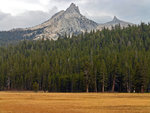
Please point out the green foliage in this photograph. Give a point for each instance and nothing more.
(35, 86)
(108, 60)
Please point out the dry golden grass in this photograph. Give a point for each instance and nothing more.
(28, 102)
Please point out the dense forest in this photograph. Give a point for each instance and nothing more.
(116, 60)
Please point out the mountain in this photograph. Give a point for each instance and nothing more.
(67, 22)
(113, 23)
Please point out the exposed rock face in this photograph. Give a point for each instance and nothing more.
(65, 22)
(113, 23)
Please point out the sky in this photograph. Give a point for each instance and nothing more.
(28, 13)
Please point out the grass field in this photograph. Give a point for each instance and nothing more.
(28, 102)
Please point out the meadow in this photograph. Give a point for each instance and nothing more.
(30, 102)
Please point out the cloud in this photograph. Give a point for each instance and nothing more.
(26, 19)
(129, 10)
(3, 15)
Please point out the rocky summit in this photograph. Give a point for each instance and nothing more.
(66, 22)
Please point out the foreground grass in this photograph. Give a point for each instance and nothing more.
(28, 102)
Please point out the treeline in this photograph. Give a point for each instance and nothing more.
(116, 60)
(16, 35)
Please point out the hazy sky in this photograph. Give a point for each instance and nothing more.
(27, 13)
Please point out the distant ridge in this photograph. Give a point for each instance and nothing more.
(67, 22)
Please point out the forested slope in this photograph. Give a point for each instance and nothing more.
(108, 60)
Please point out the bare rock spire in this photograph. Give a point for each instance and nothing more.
(115, 19)
(73, 9)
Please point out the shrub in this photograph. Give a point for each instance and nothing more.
(35, 86)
